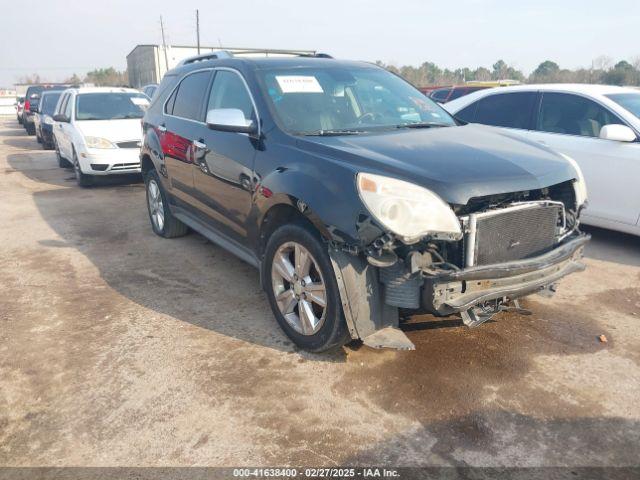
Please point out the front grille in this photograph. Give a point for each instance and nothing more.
(131, 144)
(125, 166)
(515, 233)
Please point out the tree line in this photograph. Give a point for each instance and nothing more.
(603, 70)
(101, 77)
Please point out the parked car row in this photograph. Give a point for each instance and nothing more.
(356, 197)
(43, 118)
(31, 103)
(96, 130)
(19, 108)
(598, 126)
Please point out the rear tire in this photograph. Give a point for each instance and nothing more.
(162, 220)
(38, 137)
(309, 324)
(82, 179)
(31, 130)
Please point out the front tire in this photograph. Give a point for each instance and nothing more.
(302, 289)
(62, 162)
(162, 220)
(82, 179)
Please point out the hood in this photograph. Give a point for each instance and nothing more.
(112, 130)
(457, 163)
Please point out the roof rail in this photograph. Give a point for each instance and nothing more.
(238, 52)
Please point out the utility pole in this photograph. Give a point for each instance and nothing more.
(198, 29)
(164, 45)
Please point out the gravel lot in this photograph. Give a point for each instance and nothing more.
(119, 348)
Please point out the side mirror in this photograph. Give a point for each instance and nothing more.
(230, 120)
(617, 133)
(60, 117)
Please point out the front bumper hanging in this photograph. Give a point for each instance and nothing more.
(458, 290)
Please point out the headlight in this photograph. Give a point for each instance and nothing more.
(48, 120)
(579, 185)
(97, 142)
(409, 211)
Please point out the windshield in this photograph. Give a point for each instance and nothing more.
(49, 102)
(628, 101)
(110, 105)
(347, 99)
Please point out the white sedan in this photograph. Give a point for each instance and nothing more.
(596, 125)
(97, 131)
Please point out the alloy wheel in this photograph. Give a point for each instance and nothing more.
(156, 208)
(299, 288)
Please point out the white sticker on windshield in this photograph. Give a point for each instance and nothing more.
(141, 102)
(299, 84)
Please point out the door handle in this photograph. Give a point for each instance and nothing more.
(162, 128)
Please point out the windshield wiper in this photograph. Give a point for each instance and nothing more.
(422, 125)
(333, 133)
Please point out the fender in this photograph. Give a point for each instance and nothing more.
(152, 148)
(325, 193)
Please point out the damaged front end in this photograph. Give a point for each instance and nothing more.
(509, 246)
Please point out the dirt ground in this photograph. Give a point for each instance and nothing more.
(119, 348)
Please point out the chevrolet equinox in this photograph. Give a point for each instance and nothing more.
(358, 199)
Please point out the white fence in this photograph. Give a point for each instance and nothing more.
(7, 105)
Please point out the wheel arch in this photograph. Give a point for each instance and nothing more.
(287, 209)
(146, 164)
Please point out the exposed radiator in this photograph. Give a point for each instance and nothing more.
(512, 233)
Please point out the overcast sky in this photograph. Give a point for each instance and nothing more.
(56, 38)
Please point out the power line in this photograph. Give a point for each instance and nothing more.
(198, 29)
(164, 44)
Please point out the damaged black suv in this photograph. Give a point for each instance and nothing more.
(356, 196)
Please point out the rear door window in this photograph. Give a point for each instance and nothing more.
(190, 96)
(573, 115)
(510, 110)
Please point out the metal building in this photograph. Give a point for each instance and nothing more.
(147, 63)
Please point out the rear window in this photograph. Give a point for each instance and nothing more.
(511, 110)
(461, 92)
(441, 94)
(110, 105)
(33, 92)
